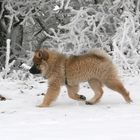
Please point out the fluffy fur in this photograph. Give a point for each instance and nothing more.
(95, 67)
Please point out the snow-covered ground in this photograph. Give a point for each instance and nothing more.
(66, 119)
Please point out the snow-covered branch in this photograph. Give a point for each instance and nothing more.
(8, 41)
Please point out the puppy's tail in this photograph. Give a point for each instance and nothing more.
(100, 53)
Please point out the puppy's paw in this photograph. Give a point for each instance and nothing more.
(129, 100)
(82, 97)
(88, 103)
(43, 105)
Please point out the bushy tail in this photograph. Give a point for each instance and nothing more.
(100, 53)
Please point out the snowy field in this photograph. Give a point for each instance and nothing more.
(66, 119)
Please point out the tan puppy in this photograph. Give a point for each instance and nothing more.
(95, 67)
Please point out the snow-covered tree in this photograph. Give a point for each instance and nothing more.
(74, 27)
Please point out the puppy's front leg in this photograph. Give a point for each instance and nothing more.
(51, 95)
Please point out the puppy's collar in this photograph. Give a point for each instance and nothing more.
(66, 81)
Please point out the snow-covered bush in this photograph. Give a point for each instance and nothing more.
(109, 25)
(74, 27)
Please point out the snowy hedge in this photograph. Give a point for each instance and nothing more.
(74, 27)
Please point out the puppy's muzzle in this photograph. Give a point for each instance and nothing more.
(34, 70)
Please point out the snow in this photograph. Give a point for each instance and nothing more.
(66, 119)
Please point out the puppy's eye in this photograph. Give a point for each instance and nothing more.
(37, 65)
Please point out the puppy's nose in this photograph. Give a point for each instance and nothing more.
(34, 70)
(30, 70)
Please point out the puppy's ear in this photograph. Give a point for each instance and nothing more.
(42, 54)
(38, 54)
(45, 54)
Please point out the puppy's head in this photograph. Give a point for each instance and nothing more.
(40, 58)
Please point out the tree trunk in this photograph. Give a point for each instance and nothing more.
(17, 39)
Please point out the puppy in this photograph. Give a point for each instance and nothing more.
(95, 67)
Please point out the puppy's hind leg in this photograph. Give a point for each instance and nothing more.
(72, 92)
(96, 85)
(116, 85)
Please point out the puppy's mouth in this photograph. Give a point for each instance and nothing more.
(34, 70)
